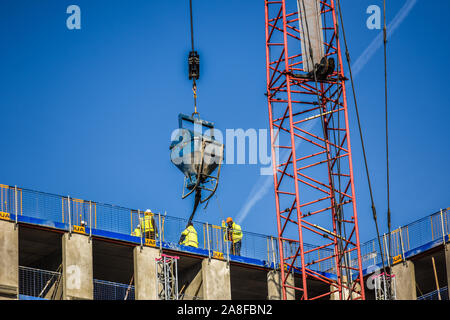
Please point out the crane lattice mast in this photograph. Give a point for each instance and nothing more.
(313, 177)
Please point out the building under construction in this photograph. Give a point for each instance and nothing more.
(56, 247)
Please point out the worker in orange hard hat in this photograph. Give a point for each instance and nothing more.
(233, 233)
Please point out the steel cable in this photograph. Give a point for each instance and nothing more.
(374, 213)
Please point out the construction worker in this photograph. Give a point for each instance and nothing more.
(189, 236)
(233, 233)
(137, 231)
(147, 225)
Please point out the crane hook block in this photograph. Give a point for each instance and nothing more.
(194, 65)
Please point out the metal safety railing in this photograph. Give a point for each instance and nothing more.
(76, 215)
(442, 293)
(39, 283)
(10, 201)
(107, 290)
(433, 228)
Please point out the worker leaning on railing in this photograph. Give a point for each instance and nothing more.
(233, 232)
(148, 225)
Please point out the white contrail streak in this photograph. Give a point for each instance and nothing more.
(265, 183)
(376, 44)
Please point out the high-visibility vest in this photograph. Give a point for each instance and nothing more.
(236, 232)
(147, 224)
(190, 237)
(137, 232)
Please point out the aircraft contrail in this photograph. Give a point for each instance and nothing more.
(376, 44)
(264, 183)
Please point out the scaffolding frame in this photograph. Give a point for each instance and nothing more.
(385, 287)
(167, 277)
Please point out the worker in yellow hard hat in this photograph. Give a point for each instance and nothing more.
(147, 225)
(189, 236)
(233, 233)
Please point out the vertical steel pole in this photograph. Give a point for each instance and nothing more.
(176, 279)
(401, 242)
(443, 229)
(70, 218)
(166, 279)
(228, 253)
(159, 232)
(140, 227)
(386, 252)
(273, 153)
(157, 279)
(273, 254)
(16, 206)
(90, 220)
(207, 240)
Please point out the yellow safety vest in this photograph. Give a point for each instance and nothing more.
(137, 232)
(236, 232)
(146, 224)
(190, 238)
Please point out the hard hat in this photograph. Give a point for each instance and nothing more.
(148, 211)
(229, 219)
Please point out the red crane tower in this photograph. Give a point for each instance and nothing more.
(309, 126)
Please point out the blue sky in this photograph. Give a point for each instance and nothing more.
(89, 112)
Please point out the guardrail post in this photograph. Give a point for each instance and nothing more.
(375, 255)
(140, 228)
(90, 221)
(16, 206)
(443, 229)
(159, 233)
(273, 251)
(386, 252)
(70, 218)
(401, 243)
(228, 253)
(207, 239)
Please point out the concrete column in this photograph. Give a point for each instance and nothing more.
(77, 267)
(216, 280)
(194, 289)
(405, 280)
(345, 291)
(145, 273)
(447, 263)
(274, 286)
(9, 261)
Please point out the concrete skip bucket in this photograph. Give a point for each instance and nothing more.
(198, 155)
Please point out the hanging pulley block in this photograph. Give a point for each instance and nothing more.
(194, 65)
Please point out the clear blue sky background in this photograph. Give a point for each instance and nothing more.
(89, 113)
